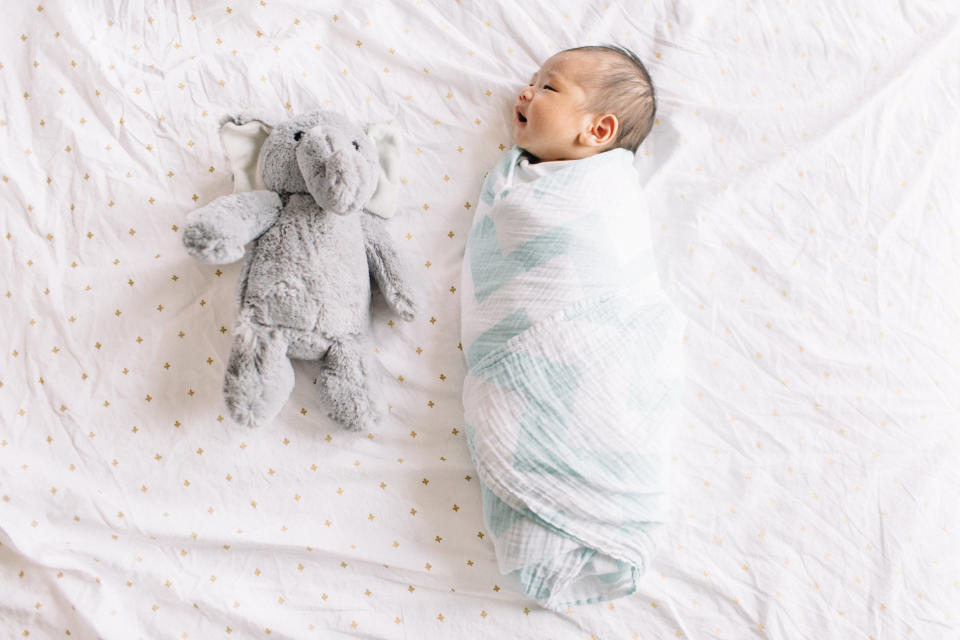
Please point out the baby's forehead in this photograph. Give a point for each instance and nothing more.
(573, 66)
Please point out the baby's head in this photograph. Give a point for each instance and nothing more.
(584, 101)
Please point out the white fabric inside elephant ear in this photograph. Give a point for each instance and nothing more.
(242, 144)
(389, 141)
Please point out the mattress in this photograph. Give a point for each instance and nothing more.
(802, 178)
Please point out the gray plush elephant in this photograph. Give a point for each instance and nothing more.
(321, 186)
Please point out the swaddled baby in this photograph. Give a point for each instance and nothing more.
(573, 352)
(584, 113)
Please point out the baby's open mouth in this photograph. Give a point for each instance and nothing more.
(522, 119)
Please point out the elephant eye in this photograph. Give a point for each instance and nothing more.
(297, 136)
(356, 145)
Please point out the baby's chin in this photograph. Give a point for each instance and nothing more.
(518, 138)
(548, 153)
(529, 148)
(537, 155)
(533, 157)
(538, 152)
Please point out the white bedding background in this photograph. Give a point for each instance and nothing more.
(803, 180)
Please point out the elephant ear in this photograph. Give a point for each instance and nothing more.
(389, 141)
(242, 138)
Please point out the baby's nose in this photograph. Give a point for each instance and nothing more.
(525, 94)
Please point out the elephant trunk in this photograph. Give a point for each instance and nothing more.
(337, 176)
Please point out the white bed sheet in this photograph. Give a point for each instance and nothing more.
(803, 179)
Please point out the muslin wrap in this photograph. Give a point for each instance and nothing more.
(574, 372)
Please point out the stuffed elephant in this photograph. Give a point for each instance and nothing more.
(310, 195)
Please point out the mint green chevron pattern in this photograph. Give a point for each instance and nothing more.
(491, 269)
(496, 336)
(572, 379)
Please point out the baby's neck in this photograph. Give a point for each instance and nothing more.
(535, 160)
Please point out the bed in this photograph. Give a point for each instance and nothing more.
(802, 178)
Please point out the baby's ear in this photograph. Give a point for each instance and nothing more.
(242, 138)
(602, 131)
(389, 140)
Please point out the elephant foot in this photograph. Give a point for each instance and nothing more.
(259, 377)
(344, 380)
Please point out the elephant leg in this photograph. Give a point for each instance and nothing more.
(344, 380)
(259, 377)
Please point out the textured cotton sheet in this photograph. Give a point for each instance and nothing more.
(802, 180)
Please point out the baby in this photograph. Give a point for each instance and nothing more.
(572, 349)
(584, 101)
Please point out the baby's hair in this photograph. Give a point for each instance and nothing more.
(625, 90)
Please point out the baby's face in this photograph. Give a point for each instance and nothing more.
(549, 114)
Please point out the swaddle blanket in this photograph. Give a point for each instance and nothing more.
(574, 362)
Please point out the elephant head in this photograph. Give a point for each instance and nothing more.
(344, 167)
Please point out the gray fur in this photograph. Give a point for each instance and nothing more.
(305, 288)
(217, 233)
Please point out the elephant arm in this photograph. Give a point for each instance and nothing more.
(386, 267)
(216, 233)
